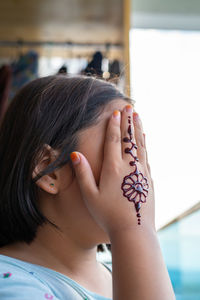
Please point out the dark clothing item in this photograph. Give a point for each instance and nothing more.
(62, 70)
(114, 68)
(94, 67)
(23, 71)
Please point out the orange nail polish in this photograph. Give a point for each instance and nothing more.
(75, 157)
(135, 116)
(116, 114)
(129, 108)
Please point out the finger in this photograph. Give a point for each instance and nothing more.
(128, 138)
(84, 175)
(147, 162)
(112, 145)
(141, 152)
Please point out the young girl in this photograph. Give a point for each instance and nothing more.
(68, 159)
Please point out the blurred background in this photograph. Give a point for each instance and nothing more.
(151, 50)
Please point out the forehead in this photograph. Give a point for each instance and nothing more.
(117, 104)
(96, 133)
(99, 129)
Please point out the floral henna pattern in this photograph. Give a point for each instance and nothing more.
(134, 186)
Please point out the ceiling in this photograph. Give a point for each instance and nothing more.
(92, 21)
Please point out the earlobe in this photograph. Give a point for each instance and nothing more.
(45, 183)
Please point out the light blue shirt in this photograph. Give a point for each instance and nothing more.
(21, 280)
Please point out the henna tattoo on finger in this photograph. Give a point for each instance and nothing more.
(135, 185)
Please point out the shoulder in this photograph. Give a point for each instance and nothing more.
(17, 283)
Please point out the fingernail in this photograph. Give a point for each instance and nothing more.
(75, 158)
(129, 108)
(116, 114)
(135, 116)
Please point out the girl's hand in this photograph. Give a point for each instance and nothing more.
(106, 203)
(139, 271)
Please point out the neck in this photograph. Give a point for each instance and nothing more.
(53, 249)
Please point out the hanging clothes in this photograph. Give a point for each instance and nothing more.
(63, 70)
(5, 82)
(95, 66)
(114, 68)
(23, 71)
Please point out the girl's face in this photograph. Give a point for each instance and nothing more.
(68, 210)
(91, 140)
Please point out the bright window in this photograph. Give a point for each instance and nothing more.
(165, 82)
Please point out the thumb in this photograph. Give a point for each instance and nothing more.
(84, 175)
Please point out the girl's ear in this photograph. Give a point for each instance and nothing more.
(48, 183)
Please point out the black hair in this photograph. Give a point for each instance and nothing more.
(47, 111)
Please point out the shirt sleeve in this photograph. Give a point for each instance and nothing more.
(23, 286)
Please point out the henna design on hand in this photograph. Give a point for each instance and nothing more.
(134, 186)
